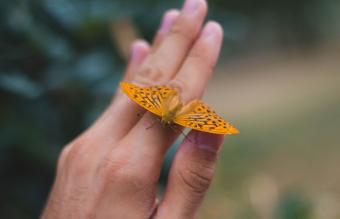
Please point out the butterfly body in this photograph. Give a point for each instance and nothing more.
(168, 118)
(165, 102)
(171, 106)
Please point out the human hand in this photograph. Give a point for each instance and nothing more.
(112, 169)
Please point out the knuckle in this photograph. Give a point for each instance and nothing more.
(184, 29)
(196, 180)
(110, 165)
(180, 85)
(205, 159)
(80, 168)
(123, 175)
(135, 180)
(78, 156)
(76, 148)
(150, 73)
(197, 172)
(90, 214)
(201, 60)
(117, 168)
(63, 157)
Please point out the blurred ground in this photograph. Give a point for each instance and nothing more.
(287, 107)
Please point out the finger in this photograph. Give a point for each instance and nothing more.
(102, 131)
(139, 51)
(190, 175)
(190, 81)
(168, 19)
(192, 78)
(165, 60)
(106, 127)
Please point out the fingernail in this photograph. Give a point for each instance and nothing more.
(136, 49)
(208, 141)
(168, 20)
(211, 31)
(190, 5)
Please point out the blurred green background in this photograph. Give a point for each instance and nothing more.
(278, 81)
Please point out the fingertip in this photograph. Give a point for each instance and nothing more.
(139, 49)
(140, 45)
(193, 6)
(212, 30)
(210, 42)
(168, 19)
(205, 141)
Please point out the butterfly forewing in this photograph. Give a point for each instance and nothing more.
(150, 98)
(194, 115)
(203, 118)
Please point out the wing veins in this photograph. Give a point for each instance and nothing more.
(157, 101)
(152, 101)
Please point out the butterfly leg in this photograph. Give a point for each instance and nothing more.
(152, 124)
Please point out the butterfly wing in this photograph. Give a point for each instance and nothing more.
(201, 117)
(150, 98)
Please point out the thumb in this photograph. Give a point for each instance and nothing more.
(190, 175)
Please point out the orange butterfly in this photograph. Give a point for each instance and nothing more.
(165, 102)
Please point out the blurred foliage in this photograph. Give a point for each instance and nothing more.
(59, 69)
(294, 206)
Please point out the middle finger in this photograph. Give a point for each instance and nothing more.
(163, 63)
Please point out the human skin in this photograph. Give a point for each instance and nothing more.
(112, 169)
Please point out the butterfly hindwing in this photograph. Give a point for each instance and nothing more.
(150, 98)
(203, 118)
